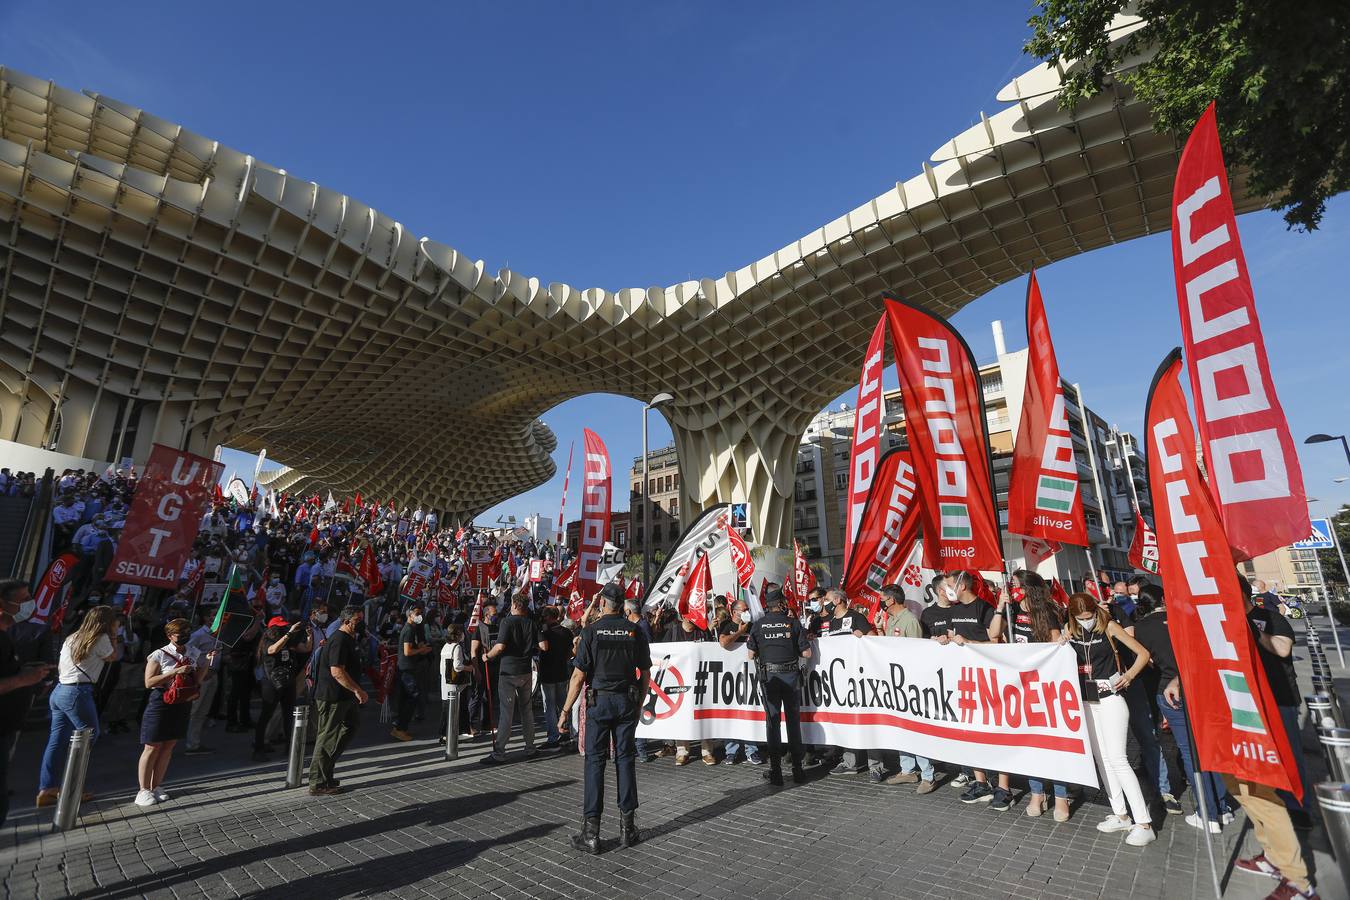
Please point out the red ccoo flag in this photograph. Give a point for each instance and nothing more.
(1058, 594)
(1144, 547)
(867, 422)
(1234, 719)
(1043, 497)
(1250, 457)
(697, 591)
(370, 572)
(948, 438)
(595, 496)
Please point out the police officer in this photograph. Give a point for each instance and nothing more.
(612, 664)
(778, 643)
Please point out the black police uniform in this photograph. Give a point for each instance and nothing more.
(778, 641)
(611, 653)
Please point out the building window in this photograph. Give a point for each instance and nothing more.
(674, 507)
(670, 484)
(840, 481)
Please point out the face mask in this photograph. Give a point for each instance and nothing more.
(949, 592)
(744, 617)
(416, 620)
(321, 618)
(814, 606)
(1087, 624)
(25, 611)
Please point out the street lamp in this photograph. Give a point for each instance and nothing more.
(1324, 438)
(658, 400)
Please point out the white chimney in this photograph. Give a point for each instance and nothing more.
(999, 347)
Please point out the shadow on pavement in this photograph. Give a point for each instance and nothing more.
(438, 814)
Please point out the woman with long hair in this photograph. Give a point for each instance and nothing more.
(1094, 637)
(283, 647)
(83, 656)
(1036, 620)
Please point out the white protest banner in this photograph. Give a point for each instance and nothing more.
(611, 564)
(238, 490)
(1012, 708)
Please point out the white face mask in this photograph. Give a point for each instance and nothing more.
(416, 620)
(744, 617)
(949, 592)
(25, 611)
(1087, 624)
(321, 618)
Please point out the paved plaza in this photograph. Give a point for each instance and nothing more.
(414, 825)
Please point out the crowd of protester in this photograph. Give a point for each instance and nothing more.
(320, 635)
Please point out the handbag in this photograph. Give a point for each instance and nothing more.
(453, 677)
(184, 688)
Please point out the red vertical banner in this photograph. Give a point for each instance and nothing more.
(1250, 456)
(1043, 496)
(740, 554)
(49, 588)
(562, 508)
(1234, 719)
(693, 603)
(886, 533)
(595, 496)
(948, 437)
(867, 419)
(171, 497)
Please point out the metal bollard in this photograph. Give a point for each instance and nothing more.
(72, 781)
(452, 727)
(1322, 711)
(1336, 747)
(1334, 800)
(295, 764)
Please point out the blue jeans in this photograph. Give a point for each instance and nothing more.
(907, 764)
(733, 747)
(1289, 715)
(1215, 791)
(555, 694)
(72, 708)
(1038, 787)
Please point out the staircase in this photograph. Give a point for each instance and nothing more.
(13, 519)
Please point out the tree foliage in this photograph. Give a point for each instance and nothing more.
(1278, 72)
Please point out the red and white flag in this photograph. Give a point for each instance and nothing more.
(370, 572)
(476, 617)
(867, 418)
(1038, 551)
(49, 588)
(1250, 456)
(740, 555)
(801, 582)
(595, 496)
(948, 438)
(1058, 594)
(696, 594)
(886, 533)
(634, 590)
(1043, 497)
(1144, 547)
(562, 508)
(1234, 719)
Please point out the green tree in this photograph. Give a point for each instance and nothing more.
(1278, 73)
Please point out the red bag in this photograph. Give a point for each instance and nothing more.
(184, 688)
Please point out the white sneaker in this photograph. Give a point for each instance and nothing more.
(1140, 836)
(1227, 818)
(146, 798)
(1114, 823)
(1193, 820)
(160, 794)
(961, 780)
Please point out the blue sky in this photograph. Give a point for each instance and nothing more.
(621, 145)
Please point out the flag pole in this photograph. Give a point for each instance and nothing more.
(1200, 799)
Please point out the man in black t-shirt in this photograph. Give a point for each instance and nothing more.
(337, 701)
(414, 670)
(555, 668)
(1275, 644)
(842, 622)
(517, 641)
(731, 634)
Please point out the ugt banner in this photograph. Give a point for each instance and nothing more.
(1016, 707)
(170, 498)
(1234, 719)
(50, 587)
(1250, 456)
